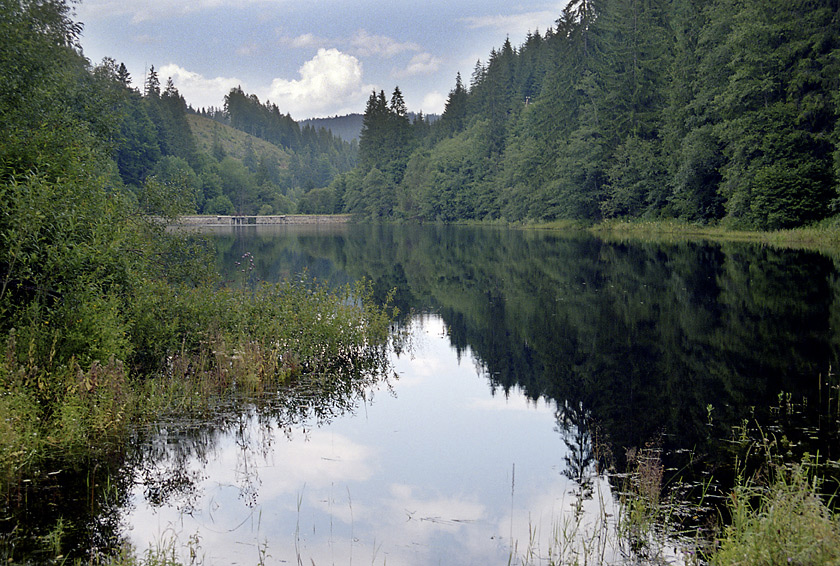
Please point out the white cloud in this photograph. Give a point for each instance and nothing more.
(516, 24)
(302, 41)
(198, 90)
(366, 44)
(146, 10)
(330, 83)
(420, 64)
(324, 459)
(248, 49)
(433, 103)
(306, 40)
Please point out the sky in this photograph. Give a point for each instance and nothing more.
(312, 58)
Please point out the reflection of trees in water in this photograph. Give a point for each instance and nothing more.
(163, 455)
(77, 504)
(575, 429)
(81, 503)
(641, 338)
(645, 336)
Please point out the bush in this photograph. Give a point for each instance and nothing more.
(786, 522)
(219, 205)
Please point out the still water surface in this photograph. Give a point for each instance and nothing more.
(430, 468)
(535, 362)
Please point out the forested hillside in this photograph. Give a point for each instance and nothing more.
(247, 158)
(707, 111)
(347, 127)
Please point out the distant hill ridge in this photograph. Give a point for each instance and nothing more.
(349, 127)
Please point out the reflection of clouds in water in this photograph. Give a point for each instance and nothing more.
(422, 478)
(404, 526)
(433, 513)
(547, 521)
(511, 403)
(430, 355)
(248, 498)
(323, 459)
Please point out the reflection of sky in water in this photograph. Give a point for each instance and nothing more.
(420, 476)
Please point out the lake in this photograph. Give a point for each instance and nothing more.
(533, 374)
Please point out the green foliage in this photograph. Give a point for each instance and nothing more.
(219, 205)
(167, 199)
(264, 121)
(175, 171)
(318, 201)
(372, 197)
(238, 184)
(451, 187)
(785, 522)
(387, 137)
(710, 112)
(65, 248)
(455, 111)
(318, 156)
(696, 177)
(636, 180)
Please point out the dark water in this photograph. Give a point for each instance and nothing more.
(536, 362)
(644, 339)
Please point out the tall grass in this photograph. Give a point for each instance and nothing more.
(194, 347)
(777, 516)
(822, 237)
(778, 520)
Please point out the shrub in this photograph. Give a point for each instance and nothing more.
(786, 522)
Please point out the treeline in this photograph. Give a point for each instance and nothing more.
(346, 127)
(721, 111)
(155, 139)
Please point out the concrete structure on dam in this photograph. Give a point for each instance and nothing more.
(260, 220)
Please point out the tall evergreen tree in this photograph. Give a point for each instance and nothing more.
(400, 139)
(454, 115)
(774, 111)
(123, 75)
(152, 86)
(702, 110)
(373, 138)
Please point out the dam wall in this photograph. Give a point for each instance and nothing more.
(279, 219)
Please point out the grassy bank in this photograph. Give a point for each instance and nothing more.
(192, 345)
(823, 236)
(66, 428)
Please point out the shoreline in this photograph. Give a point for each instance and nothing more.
(822, 237)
